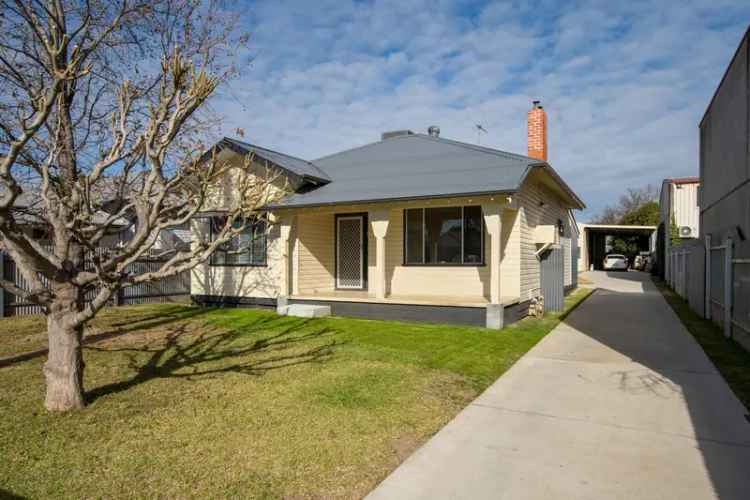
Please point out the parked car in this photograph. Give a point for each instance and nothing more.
(615, 262)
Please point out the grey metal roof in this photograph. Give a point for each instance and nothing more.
(415, 166)
(298, 166)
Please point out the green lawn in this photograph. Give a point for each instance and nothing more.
(730, 358)
(207, 403)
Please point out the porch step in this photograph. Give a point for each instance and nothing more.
(304, 310)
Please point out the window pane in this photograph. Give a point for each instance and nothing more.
(443, 235)
(219, 256)
(414, 236)
(242, 245)
(259, 243)
(473, 235)
(247, 248)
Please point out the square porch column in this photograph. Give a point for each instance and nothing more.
(285, 231)
(493, 221)
(379, 222)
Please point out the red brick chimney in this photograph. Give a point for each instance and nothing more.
(537, 132)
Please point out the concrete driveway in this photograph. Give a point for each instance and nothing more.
(617, 402)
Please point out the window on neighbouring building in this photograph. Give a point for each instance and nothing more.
(444, 236)
(248, 248)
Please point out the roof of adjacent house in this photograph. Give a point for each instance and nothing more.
(414, 166)
(28, 208)
(683, 180)
(297, 166)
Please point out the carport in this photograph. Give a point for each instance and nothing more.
(593, 240)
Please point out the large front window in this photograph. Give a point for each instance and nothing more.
(248, 248)
(444, 236)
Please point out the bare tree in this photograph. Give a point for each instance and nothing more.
(635, 198)
(101, 103)
(629, 202)
(608, 215)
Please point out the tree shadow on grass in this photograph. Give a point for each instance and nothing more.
(7, 495)
(113, 330)
(160, 318)
(268, 343)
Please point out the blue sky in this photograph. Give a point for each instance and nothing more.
(624, 83)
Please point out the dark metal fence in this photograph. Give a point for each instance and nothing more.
(552, 278)
(165, 290)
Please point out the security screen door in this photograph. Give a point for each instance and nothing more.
(350, 252)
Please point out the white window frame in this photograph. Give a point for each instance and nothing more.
(424, 233)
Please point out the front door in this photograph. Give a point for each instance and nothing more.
(350, 251)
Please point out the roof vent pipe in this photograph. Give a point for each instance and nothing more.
(434, 131)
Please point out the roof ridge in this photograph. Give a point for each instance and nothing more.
(481, 149)
(353, 149)
(323, 175)
(250, 144)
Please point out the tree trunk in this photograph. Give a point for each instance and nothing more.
(64, 367)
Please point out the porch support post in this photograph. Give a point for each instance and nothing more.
(379, 222)
(285, 231)
(493, 221)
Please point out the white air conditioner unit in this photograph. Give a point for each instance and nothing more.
(546, 235)
(686, 231)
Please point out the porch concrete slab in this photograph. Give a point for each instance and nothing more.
(308, 310)
(617, 402)
(425, 300)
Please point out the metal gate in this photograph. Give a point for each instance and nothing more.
(552, 278)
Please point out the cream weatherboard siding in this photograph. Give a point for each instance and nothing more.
(315, 253)
(316, 256)
(510, 278)
(452, 281)
(312, 252)
(538, 205)
(239, 281)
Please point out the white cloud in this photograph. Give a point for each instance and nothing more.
(624, 83)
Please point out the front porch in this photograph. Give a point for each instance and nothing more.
(361, 259)
(370, 297)
(434, 309)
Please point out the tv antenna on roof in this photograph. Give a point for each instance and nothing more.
(480, 130)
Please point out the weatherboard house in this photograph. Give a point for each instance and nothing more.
(414, 227)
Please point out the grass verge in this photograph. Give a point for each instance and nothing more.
(730, 358)
(216, 403)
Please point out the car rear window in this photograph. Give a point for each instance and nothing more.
(616, 257)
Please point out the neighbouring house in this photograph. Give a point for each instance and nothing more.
(679, 216)
(28, 207)
(414, 226)
(725, 197)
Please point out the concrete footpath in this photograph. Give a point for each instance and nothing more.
(618, 402)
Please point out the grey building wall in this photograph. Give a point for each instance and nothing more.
(725, 175)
